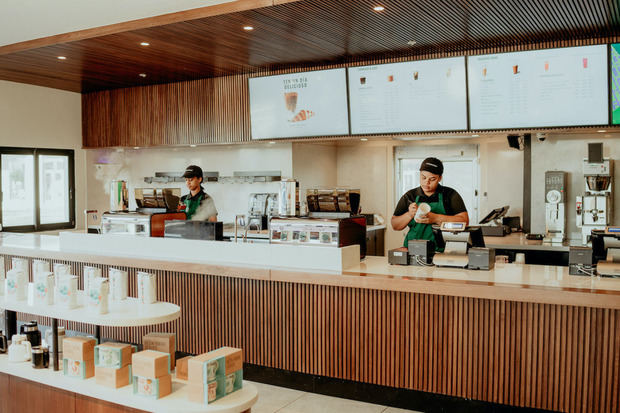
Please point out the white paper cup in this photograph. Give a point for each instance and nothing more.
(423, 209)
(520, 258)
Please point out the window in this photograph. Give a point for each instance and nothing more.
(36, 189)
(461, 171)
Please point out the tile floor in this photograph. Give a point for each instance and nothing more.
(272, 399)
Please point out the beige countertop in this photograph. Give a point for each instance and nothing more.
(512, 282)
(517, 241)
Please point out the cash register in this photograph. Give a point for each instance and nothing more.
(606, 251)
(457, 241)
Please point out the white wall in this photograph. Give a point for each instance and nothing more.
(132, 165)
(565, 152)
(39, 117)
(314, 165)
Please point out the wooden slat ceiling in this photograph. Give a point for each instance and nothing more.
(304, 33)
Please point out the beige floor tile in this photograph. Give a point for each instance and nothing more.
(273, 398)
(313, 403)
(395, 410)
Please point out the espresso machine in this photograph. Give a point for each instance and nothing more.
(555, 199)
(262, 206)
(594, 208)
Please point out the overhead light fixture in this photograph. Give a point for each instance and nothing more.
(136, 147)
(62, 58)
(272, 143)
(248, 28)
(475, 136)
(145, 44)
(412, 42)
(142, 75)
(192, 146)
(602, 131)
(363, 139)
(378, 8)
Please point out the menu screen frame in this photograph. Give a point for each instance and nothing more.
(295, 116)
(604, 110)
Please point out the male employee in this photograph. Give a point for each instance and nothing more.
(446, 204)
(199, 206)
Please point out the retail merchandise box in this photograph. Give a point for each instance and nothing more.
(209, 392)
(207, 367)
(114, 355)
(79, 348)
(153, 388)
(113, 377)
(81, 369)
(181, 367)
(164, 342)
(150, 363)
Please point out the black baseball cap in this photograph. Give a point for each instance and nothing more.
(193, 171)
(432, 165)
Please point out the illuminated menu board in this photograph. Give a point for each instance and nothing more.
(615, 84)
(426, 95)
(542, 88)
(299, 104)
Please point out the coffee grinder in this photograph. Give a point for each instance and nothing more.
(555, 198)
(594, 208)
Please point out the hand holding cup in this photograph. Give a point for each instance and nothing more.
(421, 213)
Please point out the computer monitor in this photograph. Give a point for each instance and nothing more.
(497, 213)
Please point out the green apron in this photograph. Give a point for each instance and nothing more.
(424, 231)
(191, 205)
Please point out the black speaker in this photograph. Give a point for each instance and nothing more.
(595, 152)
(513, 141)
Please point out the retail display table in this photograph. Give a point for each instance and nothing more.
(239, 401)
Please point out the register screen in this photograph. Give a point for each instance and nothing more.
(426, 95)
(542, 88)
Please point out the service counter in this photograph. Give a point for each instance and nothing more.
(522, 335)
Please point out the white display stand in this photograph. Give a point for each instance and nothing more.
(127, 313)
(177, 401)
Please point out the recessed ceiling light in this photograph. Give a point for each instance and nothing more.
(411, 42)
(142, 75)
(475, 136)
(145, 44)
(272, 143)
(136, 147)
(62, 58)
(192, 146)
(248, 28)
(602, 131)
(378, 8)
(363, 139)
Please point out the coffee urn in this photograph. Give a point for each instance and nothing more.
(119, 196)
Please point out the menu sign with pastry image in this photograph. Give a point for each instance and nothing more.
(299, 104)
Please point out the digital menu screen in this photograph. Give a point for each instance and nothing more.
(299, 104)
(426, 95)
(615, 84)
(542, 88)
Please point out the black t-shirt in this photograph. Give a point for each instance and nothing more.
(452, 201)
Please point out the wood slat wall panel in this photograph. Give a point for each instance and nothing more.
(216, 110)
(534, 355)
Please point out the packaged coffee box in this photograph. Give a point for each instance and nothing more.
(150, 363)
(66, 290)
(97, 295)
(113, 355)
(113, 377)
(154, 388)
(44, 287)
(147, 288)
(16, 288)
(164, 342)
(119, 284)
(81, 369)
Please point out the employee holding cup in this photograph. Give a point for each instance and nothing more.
(199, 206)
(430, 203)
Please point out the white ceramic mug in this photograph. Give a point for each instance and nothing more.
(20, 349)
(423, 209)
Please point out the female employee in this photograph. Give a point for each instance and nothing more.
(199, 206)
(446, 204)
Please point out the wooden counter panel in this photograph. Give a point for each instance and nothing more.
(547, 356)
(28, 396)
(4, 391)
(90, 405)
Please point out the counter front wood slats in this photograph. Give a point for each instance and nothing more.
(521, 335)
